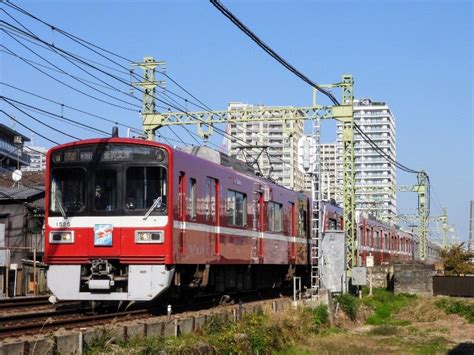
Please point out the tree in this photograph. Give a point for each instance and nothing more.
(457, 260)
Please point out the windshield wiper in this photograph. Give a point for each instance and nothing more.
(156, 204)
(60, 206)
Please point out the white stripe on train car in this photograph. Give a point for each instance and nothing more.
(116, 221)
(199, 227)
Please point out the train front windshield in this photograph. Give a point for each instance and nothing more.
(111, 179)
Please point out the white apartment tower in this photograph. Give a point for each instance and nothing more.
(375, 177)
(36, 158)
(328, 172)
(279, 160)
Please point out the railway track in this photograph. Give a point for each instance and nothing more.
(24, 302)
(15, 325)
(35, 327)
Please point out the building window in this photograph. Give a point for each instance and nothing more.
(236, 208)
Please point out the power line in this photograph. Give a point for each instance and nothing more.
(37, 120)
(60, 117)
(81, 41)
(269, 50)
(73, 77)
(29, 129)
(50, 68)
(75, 89)
(292, 69)
(72, 108)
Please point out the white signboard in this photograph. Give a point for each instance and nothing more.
(359, 276)
(369, 261)
(306, 154)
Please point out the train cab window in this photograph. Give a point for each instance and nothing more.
(236, 208)
(105, 194)
(274, 217)
(68, 190)
(192, 198)
(146, 187)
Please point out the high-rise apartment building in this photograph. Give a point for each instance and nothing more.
(276, 145)
(36, 157)
(328, 172)
(375, 177)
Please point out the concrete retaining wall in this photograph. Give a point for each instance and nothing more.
(74, 342)
(414, 278)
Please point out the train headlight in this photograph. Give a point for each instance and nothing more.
(61, 237)
(149, 237)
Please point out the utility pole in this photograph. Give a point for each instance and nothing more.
(149, 85)
(423, 191)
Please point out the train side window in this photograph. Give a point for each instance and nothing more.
(192, 198)
(274, 217)
(210, 202)
(181, 194)
(236, 208)
(302, 222)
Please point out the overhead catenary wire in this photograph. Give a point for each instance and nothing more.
(27, 128)
(72, 108)
(269, 50)
(114, 77)
(61, 117)
(75, 78)
(288, 66)
(37, 120)
(89, 44)
(62, 55)
(77, 39)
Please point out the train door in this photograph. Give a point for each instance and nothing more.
(257, 238)
(212, 213)
(293, 231)
(181, 211)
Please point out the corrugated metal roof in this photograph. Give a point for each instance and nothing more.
(21, 193)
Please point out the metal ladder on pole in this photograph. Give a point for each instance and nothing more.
(316, 207)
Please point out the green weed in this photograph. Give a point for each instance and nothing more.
(385, 305)
(320, 315)
(349, 304)
(455, 306)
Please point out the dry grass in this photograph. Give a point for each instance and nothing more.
(422, 310)
(429, 319)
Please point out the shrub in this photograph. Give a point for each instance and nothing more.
(349, 304)
(320, 315)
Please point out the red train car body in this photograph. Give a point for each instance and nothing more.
(127, 220)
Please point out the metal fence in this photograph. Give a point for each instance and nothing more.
(459, 286)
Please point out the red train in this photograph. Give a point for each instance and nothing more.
(127, 220)
(386, 243)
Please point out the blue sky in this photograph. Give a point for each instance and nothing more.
(414, 55)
